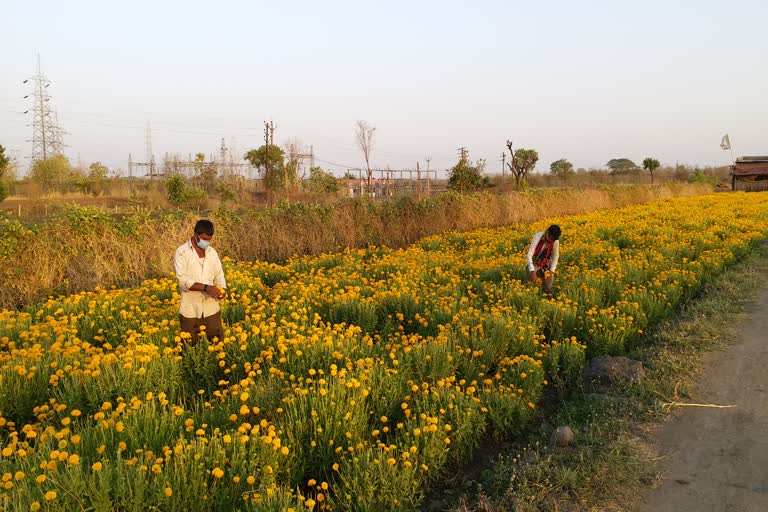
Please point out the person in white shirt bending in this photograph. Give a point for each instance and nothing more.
(542, 257)
(201, 283)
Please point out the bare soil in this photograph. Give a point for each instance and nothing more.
(717, 458)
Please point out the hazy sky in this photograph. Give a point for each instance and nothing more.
(584, 80)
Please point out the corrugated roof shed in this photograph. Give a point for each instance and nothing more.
(750, 166)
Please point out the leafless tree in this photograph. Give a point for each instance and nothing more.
(364, 140)
(295, 153)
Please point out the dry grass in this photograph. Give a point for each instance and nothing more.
(84, 249)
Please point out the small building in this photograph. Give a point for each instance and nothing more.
(750, 173)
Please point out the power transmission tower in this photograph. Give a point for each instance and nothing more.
(47, 137)
(150, 154)
(463, 153)
(428, 159)
(223, 159)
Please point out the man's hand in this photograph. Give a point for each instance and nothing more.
(532, 275)
(215, 292)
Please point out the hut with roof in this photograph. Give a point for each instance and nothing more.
(750, 173)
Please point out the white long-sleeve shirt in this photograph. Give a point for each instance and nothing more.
(190, 269)
(553, 257)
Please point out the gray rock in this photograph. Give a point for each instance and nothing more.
(605, 371)
(563, 436)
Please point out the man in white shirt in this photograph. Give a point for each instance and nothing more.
(201, 283)
(542, 257)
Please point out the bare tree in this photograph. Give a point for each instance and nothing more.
(364, 140)
(295, 154)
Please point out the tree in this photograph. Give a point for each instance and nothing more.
(522, 163)
(176, 189)
(5, 164)
(295, 154)
(4, 161)
(349, 176)
(364, 139)
(51, 172)
(562, 169)
(321, 182)
(651, 164)
(97, 171)
(274, 175)
(466, 177)
(621, 166)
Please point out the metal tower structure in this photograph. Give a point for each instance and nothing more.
(47, 136)
(150, 153)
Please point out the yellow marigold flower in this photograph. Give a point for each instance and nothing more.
(217, 472)
(40, 479)
(74, 459)
(168, 491)
(34, 506)
(19, 475)
(251, 480)
(284, 450)
(50, 495)
(310, 503)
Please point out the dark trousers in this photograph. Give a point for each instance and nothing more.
(213, 327)
(546, 282)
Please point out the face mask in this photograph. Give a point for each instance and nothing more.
(203, 244)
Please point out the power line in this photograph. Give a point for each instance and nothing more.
(338, 165)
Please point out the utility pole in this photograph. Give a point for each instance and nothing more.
(418, 181)
(503, 167)
(428, 159)
(269, 139)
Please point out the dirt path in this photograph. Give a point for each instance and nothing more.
(717, 459)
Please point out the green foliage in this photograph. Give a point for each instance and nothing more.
(226, 192)
(650, 165)
(176, 189)
(4, 161)
(5, 165)
(621, 166)
(272, 163)
(98, 171)
(699, 176)
(562, 169)
(465, 177)
(321, 182)
(522, 162)
(51, 172)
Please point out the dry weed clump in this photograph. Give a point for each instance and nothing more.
(81, 248)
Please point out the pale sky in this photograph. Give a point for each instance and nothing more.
(582, 80)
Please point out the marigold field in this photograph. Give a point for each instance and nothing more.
(347, 381)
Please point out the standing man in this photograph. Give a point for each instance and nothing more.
(542, 257)
(201, 283)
